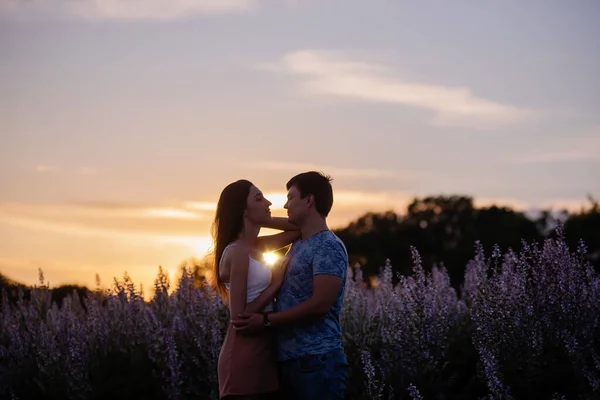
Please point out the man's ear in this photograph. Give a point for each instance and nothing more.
(310, 200)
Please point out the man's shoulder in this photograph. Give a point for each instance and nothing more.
(323, 243)
(329, 241)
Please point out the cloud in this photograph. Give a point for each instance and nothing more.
(45, 168)
(556, 157)
(86, 171)
(572, 148)
(200, 205)
(332, 170)
(117, 210)
(83, 171)
(106, 220)
(571, 205)
(124, 9)
(334, 74)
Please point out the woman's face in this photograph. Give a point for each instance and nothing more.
(257, 207)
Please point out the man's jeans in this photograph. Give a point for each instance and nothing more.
(315, 377)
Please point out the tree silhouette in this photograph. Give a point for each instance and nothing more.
(444, 229)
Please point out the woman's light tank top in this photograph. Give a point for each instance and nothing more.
(259, 277)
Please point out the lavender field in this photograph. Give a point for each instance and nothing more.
(523, 326)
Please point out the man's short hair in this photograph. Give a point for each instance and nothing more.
(319, 185)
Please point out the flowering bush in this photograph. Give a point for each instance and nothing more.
(522, 326)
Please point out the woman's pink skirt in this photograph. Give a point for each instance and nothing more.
(248, 364)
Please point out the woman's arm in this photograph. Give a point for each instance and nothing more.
(238, 280)
(279, 240)
(280, 223)
(264, 298)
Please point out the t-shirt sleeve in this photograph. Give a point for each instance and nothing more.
(330, 258)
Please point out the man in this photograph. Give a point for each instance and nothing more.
(307, 318)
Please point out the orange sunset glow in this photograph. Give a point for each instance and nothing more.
(119, 127)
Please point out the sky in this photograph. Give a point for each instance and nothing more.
(122, 120)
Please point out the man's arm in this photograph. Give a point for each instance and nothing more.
(325, 291)
(329, 267)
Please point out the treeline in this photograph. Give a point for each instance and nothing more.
(445, 229)
(57, 294)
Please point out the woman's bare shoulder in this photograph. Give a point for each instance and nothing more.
(237, 251)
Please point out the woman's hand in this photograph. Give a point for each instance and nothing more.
(278, 271)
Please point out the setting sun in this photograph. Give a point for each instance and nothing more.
(270, 258)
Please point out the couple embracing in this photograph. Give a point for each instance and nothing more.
(284, 339)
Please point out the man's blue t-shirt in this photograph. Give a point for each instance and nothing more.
(322, 253)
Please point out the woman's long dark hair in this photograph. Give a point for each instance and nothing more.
(227, 226)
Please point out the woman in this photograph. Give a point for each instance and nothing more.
(247, 366)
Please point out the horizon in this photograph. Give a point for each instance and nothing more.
(199, 243)
(122, 125)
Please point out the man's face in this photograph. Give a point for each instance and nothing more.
(297, 207)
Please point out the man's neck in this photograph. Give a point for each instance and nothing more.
(314, 226)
